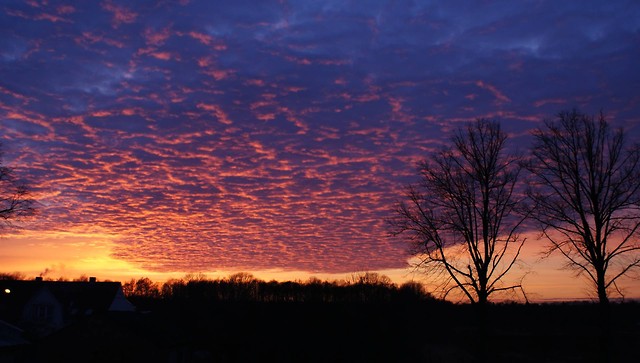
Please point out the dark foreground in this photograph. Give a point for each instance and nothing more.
(373, 332)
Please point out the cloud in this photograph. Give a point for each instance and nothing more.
(121, 14)
(212, 135)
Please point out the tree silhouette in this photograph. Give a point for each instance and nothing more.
(587, 197)
(369, 278)
(143, 287)
(12, 276)
(15, 198)
(243, 287)
(461, 217)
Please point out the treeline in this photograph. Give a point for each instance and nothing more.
(244, 287)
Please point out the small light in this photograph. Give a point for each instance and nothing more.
(7, 291)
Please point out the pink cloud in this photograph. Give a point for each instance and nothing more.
(156, 38)
(500, 97)
(217, 111)
(208, 40)
(555, 101)
(161, 55)
(92, 38)
(121, 15)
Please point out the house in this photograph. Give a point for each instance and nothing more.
(43, 307)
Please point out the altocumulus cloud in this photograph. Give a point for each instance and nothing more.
(259, 135)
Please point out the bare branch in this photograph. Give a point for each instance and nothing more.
(15, 198)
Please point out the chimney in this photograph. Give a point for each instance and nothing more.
(38, 278)
(92, 279)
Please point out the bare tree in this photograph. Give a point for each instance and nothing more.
(143, 287)
(587, 197)
(461, 217)
(15, 198)
(241, 278)
(369, 278)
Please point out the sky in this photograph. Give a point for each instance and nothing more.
(274, 137)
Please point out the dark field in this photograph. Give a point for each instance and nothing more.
(429, 331)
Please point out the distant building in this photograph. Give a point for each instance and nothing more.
(42, 307)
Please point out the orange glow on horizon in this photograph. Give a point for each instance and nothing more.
(70, 255)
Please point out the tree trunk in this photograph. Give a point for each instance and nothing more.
(602, 290)
(483, 295)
